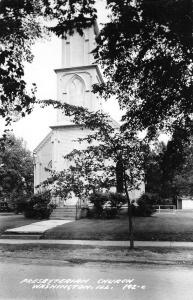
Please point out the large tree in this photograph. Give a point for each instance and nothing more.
(146, 52)
(16, 171)
(183, 179)
(168, 166)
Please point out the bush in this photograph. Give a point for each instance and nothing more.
(144, 207)
(106, 205)
(98, 200)
(39, 206)
(116, 200)
(19, 206)
(4, 207)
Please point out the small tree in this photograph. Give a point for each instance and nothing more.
(95, 168)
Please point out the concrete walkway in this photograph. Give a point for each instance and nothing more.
(164, 244)
(38, 227)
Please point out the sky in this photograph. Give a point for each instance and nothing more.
(47, 57)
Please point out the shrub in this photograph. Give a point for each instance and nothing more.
(19, 206)
(106, 205)
(39, 206)
(144, 206)
(116, 200)
(4, 207)
(98, 200)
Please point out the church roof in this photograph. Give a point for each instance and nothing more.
(113, 123)
(43, 142)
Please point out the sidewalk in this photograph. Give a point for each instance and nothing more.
(38, 227)
(164, 244)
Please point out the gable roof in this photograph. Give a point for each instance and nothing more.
(43, 142)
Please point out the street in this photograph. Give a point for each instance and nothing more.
(41, 279)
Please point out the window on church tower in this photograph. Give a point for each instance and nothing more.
(76, 91)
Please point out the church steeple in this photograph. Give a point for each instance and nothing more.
(76, 49)
(78, 72)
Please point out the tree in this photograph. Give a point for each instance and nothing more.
(146, 53)
(182, 184)
(16, 171)
(166, 166)
(19, 28)
(95, 168)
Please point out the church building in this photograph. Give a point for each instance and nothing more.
(75, 78)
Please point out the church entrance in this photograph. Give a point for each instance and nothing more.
(61, 202)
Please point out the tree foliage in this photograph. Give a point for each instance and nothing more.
(19, 29)
(146, 52)
(183, 178)
(168, 167)
(95, 167)
(16, 171)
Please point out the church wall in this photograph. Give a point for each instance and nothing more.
(135, 194)
(43, 159)
(64, 142)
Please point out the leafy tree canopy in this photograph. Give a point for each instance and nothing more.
(167, 167)
(107, 143)
(16, 170)
(146, 53)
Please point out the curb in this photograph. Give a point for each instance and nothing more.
(97, 243)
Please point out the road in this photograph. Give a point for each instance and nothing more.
(34, 279)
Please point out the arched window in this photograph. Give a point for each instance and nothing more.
(76, 91)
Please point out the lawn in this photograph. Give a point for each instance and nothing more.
(159, 227)
(8, 221)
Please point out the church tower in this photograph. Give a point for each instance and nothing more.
(78, 72)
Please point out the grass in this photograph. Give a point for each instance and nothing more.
(59, 254)
(159, 227)
(12, 221)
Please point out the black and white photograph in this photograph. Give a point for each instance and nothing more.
(96, 149)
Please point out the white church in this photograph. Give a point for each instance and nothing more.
(75, 78)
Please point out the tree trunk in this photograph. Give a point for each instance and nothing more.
(131, 236)
(119, 176)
